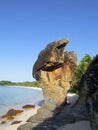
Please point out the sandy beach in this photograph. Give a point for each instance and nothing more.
(25, 115)
(81, 125)
(21, 117)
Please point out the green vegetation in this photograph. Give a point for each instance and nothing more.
(3, 83)
(29, 84)
(80, 70)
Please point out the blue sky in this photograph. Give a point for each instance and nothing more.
(27, 26)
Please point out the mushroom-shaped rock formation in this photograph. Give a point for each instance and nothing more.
(54, 69)
(56, 82)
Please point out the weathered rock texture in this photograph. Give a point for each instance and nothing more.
(54, 69)
(88, 101)
(84, 110)
(57, 81)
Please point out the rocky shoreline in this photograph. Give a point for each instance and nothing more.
(59, 119)
(16, 117)
(54, 69)
(29, 111)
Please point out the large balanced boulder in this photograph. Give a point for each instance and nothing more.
(54, 69)
(84, 111)
(55, 75)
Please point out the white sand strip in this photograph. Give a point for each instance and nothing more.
(36, 88)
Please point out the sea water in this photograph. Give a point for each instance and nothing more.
(16, 97)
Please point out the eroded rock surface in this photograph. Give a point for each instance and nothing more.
(88, 101)
(56, 82)
(84, 110)
(54, 69)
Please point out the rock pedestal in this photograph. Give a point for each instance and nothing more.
(54, 69)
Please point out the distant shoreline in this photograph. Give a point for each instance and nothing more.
(35, 88)
(25, 84)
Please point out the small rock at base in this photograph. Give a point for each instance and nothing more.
(3, 122)
(15, 122)
(28, 106)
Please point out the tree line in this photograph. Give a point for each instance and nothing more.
(27, 84)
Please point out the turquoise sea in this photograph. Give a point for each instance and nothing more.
(16, 97)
